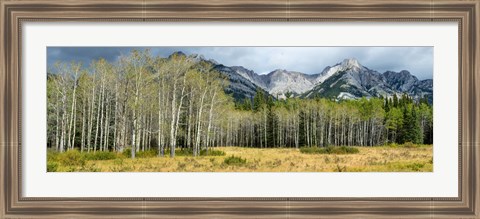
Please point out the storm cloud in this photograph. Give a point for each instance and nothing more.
(309, 60)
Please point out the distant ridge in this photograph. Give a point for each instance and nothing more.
(347, 79)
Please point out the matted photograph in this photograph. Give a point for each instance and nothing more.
(240, 109)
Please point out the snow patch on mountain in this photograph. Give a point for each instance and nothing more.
(346, 95)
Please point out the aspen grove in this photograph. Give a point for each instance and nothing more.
(143, 102)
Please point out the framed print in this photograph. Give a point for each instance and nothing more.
(239, 109)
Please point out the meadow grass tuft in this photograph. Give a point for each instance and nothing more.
(234, 160)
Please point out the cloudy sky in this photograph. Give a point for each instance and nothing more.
(309, 60)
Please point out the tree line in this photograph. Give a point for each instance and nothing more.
(145, 102)
(295, 122)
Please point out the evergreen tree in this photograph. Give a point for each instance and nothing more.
(395, 100)
(272, 123)
(411, 126)
(416, 131)
(386, 105)
(288, 95)
(258, 99)
(247, 104)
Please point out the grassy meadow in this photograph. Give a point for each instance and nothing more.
(393, 158)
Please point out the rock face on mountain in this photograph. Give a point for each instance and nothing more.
(280, 81)
(345, 80)
(239, 86)
(349, 79)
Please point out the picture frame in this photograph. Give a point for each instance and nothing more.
(14, 13)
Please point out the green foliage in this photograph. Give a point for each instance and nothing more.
(394, 124)
(408, 121)
(52, 166)
(146, 153)
(140, 154)
(127, 152)
(100, 155)
(119, 161)
(189, 152)
(411, 131)
(245, 105)
(288, 94)
(329, 150)
(393, 145)
(212, 152)
(415, 166)
(182, 152)
(410, 145)
(425, 114)
(261, 100)
(71, 158)
(234, 160)
(52, 155)
(395, 100)
(74, 160)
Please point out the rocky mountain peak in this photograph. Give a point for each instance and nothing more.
(278, 71)
(403, 76)
(198, 58)
(351, 63)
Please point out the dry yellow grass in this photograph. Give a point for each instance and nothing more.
(369, 159)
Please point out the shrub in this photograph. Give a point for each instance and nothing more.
(52, 155)
(71, 158)
(393, 145)
(212, 152)
(233, 160)
(100, 155)
(329, 150)
(189, 152)
(312, 150)
(127, 152)
(410, 145)
(52, 166)
(344, 150)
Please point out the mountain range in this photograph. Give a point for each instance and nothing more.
(347, 79)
